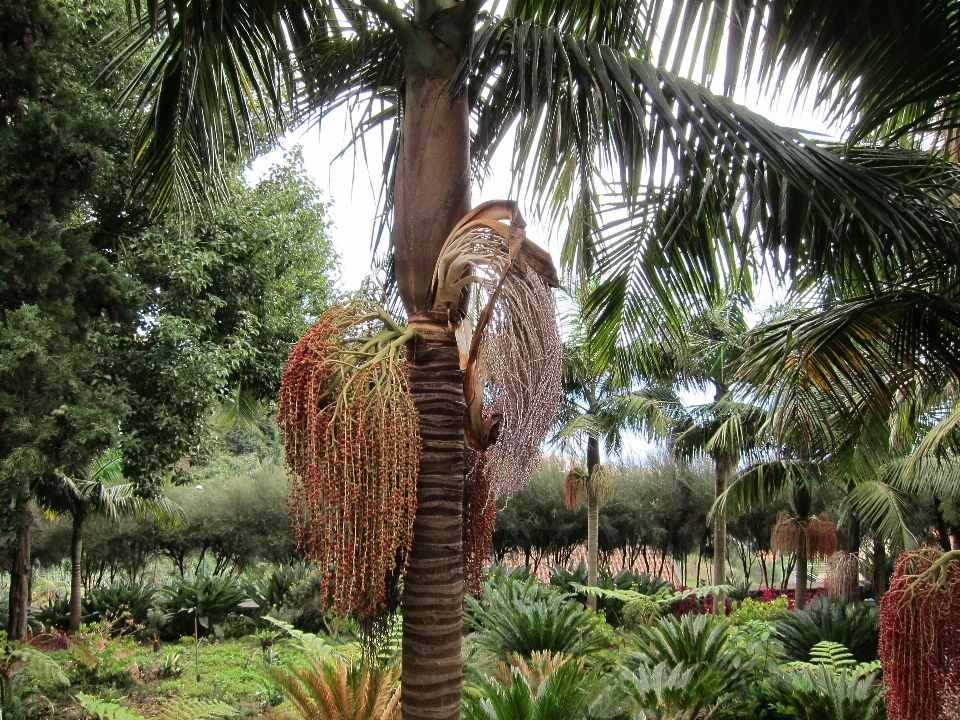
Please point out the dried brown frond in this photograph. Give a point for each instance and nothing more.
(511, 356)
(786, 535)
(534, 670)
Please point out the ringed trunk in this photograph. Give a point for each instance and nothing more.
(593, 519)
(879, 570)
(432, 193)
(802, 503)
(20, 576)
(76, 585)
(800, 593)
(432, 674)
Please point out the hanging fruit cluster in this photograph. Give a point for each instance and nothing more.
(819, 534)
(351, 435)
(574, 487)
(479, 516)
(920, 637)
(510, 353)
(578, 485)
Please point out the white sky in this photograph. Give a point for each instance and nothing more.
(353, 187)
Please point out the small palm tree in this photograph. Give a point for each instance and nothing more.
(600, 402)
(100, 490)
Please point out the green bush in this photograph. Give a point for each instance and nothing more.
(113, 601)
(527, 617)
(750, 610)
(693, 664)
(823, 694)
(209, 599)
(571, 578)
(526, 693)
(852, 625)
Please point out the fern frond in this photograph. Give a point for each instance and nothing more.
(832, 655)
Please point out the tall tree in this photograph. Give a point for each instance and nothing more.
(114, 330)
(600, 402)
(578, 79)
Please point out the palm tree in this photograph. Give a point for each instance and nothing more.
(703, 356)
(101, 491)
(600, 402)
(579, 82)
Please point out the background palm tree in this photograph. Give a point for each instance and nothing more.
(100, 491)
(580, 83)
(600, 402)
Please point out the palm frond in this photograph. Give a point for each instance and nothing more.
(883, 508)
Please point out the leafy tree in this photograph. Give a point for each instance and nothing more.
(580, 81)
(116, 330)
(62, 302)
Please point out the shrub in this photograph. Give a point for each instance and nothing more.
(853, 626)
(524, 618)
(546, 686)
(820, 693)
(330, 691)
(209, 599)
(571, 578)
(693, 666)
(112, 601)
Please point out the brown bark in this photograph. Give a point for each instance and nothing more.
(800, 592)
(879, 570)
(802, 503)
(432, 186)
(593, 519)
(723, 470)
(76, 578)
(20, 577)
(433, 588)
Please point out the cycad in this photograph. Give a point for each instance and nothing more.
(853, 626)
(336, 691)
(545, 687)
(524, 618)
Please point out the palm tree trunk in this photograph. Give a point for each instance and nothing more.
(432, 194)
(879, 570)
(76, 584)
(800, 592)
(723, 470)
(593, 519)
(433, 588)
(802, 503)
(20, 575)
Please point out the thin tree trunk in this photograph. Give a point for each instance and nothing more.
(593, 519)
(879, 570)
(723, 470)
(76, 579)
(20, 575)
(800, 592)
(802, 503)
